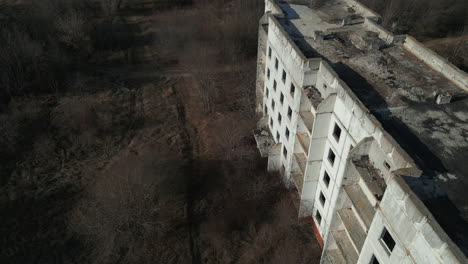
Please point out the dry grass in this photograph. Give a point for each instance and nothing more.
(159, 170)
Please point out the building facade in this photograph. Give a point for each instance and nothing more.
(328, 118)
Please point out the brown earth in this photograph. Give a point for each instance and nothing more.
(153, 162)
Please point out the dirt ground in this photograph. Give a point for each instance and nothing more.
(161, 167)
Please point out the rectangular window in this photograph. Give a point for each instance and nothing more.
(289, 113)
(276, 63)
(269, 52)
(277, 136)
(331, 157)
(387, 240)
(318, 217)
(281, 98)
(374, 260)
(268, 74)
(283, 77)
(387, 166)
(287, 133)
(326, 178)
(274, 85)
(322, 199)
(292, 89)
(279, 118)
(337, 133)
(273, 105)
(285, 152)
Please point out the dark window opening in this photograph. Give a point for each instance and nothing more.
(274, 85)
(268, 74)
(287, 133)
(387, 166)
(337, 132)
(284, 76)
(285, 152)
(266, 110)
(331, 157)
(281, 98)
(271, 121)
(318, 217)
(325, 86)
(289, 113)
(322, 199)
(272, 104)
(277, 136)
(293, 89)
(276, 63)
(279, 118)
(374, 260)
(388, 240)
(267, 92)
(326, 179)
(269, 52)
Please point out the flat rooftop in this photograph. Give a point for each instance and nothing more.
(399, 89)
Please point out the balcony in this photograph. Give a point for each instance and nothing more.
(307, 119)
(333, 256)
(360, 202)
(304, 141)
(314, 96)
(347, 250)
(300, 161)
(264, 139)
(371, 176)
(353, 227)
(298, 180)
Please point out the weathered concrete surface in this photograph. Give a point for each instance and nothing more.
(382, 99)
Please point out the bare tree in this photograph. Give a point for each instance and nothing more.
(110, 7)
(19, 60)
(72, 27)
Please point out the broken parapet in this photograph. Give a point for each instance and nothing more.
(368, 13)
(383, 33)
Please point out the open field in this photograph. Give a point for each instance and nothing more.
(137, 146)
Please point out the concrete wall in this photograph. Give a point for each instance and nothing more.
(438, 63)
(419, 239)
(298, 73)
(261, 58)
(290, 55)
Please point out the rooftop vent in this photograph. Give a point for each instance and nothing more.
(443, 98)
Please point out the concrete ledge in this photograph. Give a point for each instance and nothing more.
(366, 12)
(450, 71)
(273, 8)
(383, 33)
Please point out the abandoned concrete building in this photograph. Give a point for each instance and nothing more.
(368, 129)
